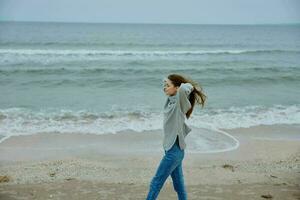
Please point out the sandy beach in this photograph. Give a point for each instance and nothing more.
(266, 165)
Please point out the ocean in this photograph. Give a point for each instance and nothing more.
(105, 78)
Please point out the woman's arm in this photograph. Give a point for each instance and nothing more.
(184, 91)
(187, 87)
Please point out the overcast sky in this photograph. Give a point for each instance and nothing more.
(153, 11)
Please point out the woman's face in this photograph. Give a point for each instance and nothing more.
(169, 88)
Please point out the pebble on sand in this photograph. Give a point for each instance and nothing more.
(267, 196)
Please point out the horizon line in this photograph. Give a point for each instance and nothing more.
(149, 23)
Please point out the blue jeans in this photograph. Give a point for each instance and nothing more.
(171, 164)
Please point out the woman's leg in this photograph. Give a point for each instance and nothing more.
(166, 166)
(178, 182)
(169, 162)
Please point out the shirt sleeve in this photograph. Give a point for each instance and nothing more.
(184, 91)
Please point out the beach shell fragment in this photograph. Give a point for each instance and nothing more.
(227, 166)
(4, 179)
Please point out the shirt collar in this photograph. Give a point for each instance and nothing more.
(172, 98)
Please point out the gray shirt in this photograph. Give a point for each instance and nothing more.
(175, 109)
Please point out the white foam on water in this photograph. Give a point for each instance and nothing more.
(210, 140)
(132, 52)
(207, 138)
(22, 121)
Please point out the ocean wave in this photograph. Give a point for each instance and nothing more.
(76, 44)
(141, 70)
(21, 121)
(76, 76)
(88, 52)
(48, 57)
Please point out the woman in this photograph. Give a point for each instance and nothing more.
(182, 95)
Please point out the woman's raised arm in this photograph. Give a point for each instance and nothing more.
(184, 91)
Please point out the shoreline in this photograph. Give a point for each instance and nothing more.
(266, 162)
(44, 146)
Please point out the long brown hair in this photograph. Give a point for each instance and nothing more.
(197, 95)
